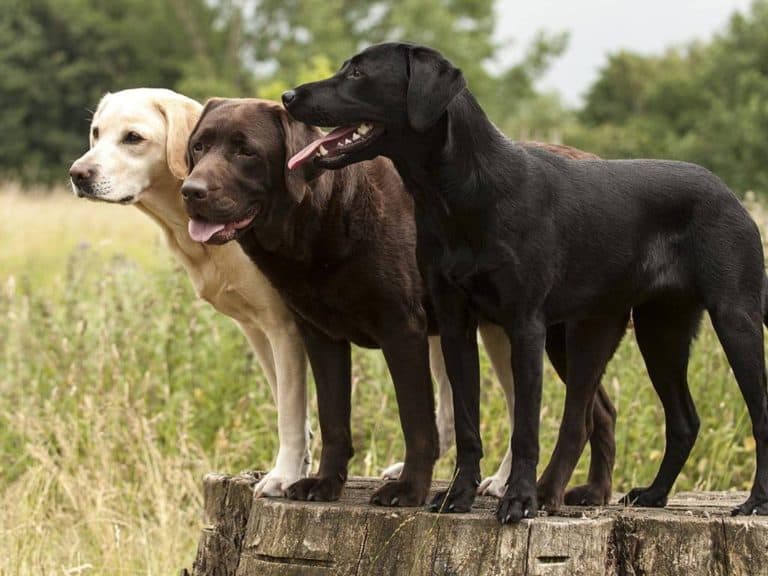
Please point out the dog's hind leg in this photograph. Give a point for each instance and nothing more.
(590, 344)
(664, 331)
(602, 423)
(739, 328)
(444, 408)
(499, 351)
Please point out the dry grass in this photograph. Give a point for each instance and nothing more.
(118, 391)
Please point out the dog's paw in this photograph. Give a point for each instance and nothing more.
(588, 495)
(549, 498)
(517, 504)
(317, 488)
(458, 499)
(644, 498)
(399, 493)
(753, 506)
(274, 485)
(392, 472)
(493, 486)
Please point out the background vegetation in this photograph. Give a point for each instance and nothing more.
(704, 102)
(118, 390)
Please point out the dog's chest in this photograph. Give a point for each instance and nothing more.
(473, 274)
(335, 297)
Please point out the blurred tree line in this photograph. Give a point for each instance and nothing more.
(707, 102)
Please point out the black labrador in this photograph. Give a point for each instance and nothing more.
(526, 239)
(340, 247)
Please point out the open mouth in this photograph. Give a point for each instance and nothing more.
(220, 232)
(337, 144)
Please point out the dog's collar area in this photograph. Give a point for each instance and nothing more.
(341, 140)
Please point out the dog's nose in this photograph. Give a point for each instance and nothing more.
(288, 97)
(82, 173)
(194, 190)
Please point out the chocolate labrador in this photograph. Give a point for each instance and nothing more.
(526, 239)
(340, 247)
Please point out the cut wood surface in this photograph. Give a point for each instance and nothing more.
(694, 535)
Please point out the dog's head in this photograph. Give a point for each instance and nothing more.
(138, 139)
(238, 178)
(377, 98)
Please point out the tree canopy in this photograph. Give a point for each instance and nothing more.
(58, 57)
(706, 102)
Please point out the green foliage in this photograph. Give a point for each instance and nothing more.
(706, 103)
(56, 65)
(118, 391)
(58, 57)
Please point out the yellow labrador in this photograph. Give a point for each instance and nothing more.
(138, 156)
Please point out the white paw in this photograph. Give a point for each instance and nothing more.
(493, 486)
(275, 485)
(392, 472)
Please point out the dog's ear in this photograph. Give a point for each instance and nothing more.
(210, 104)
(296, 136)
(181, 117)
(432, 83)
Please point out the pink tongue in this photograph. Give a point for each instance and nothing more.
(201, 231)
(307, 152)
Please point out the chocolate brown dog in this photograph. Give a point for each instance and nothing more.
(340, 247)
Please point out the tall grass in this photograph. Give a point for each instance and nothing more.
(118, 391)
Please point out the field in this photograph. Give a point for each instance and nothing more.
(118, 391)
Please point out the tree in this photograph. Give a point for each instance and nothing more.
(58, 57)
(705, 103)
(56, 65)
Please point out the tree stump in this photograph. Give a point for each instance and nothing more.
(694, 535)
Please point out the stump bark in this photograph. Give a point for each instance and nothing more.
(694, 535)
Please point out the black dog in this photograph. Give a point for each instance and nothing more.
(340, 246)
(526, 239)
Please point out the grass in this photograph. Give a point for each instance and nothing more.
(118, 391)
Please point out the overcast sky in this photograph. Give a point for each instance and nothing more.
(599, 27)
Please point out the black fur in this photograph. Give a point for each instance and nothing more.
(528, 239)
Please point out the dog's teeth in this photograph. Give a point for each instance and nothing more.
(322, 151)
(364, 129)
(355, 136)
(347, 141)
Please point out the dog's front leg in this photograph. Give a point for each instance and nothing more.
(331, 365)
(527, 337)
(408, 360)
(445, 431)
(293, 459)
(458, 334)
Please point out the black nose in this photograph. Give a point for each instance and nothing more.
(82, 173)
(194, 190)
(288, 97)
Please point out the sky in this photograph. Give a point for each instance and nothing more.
(600, 27)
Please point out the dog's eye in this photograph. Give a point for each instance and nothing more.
(355, 73)
(95, 133)
(243, 151)
(132, 138)
(198, 147)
